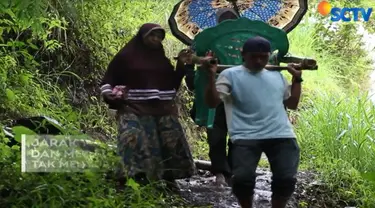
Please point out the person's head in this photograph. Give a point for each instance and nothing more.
(256, 53)
(226, 14)
(151, 35)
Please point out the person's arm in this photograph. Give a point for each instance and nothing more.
(190, 75)
(109, 81)
(293, 92)
(217, 91)
(185, 66)
(190, 68)
(179, 74)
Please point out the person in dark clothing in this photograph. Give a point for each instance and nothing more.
(141, 84)
(217, 136)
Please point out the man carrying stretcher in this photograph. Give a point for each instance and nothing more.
(254, 100)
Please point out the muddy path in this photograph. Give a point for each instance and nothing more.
(201, 191)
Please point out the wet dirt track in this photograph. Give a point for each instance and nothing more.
(200, 191)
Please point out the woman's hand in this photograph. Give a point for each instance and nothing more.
(119, 92)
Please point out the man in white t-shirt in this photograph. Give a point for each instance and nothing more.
(254, 100)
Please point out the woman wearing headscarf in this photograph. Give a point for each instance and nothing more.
(141, 84)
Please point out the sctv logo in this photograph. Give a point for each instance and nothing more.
(345, 14)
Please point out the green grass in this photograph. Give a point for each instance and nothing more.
(336, 137)
(335, 127)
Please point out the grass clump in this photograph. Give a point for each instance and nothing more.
(336, 137)
(335, 123)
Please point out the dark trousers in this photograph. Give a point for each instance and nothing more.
(283, 156)
(217, 141)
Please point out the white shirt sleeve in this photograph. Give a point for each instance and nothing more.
(287, 88)
(223, 86)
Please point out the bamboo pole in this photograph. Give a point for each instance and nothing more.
(301, 64)
(270, 67)
(203, 165)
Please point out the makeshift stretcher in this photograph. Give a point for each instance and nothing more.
(193, 22)
(226, 44)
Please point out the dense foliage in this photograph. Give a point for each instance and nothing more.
(54, 52)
